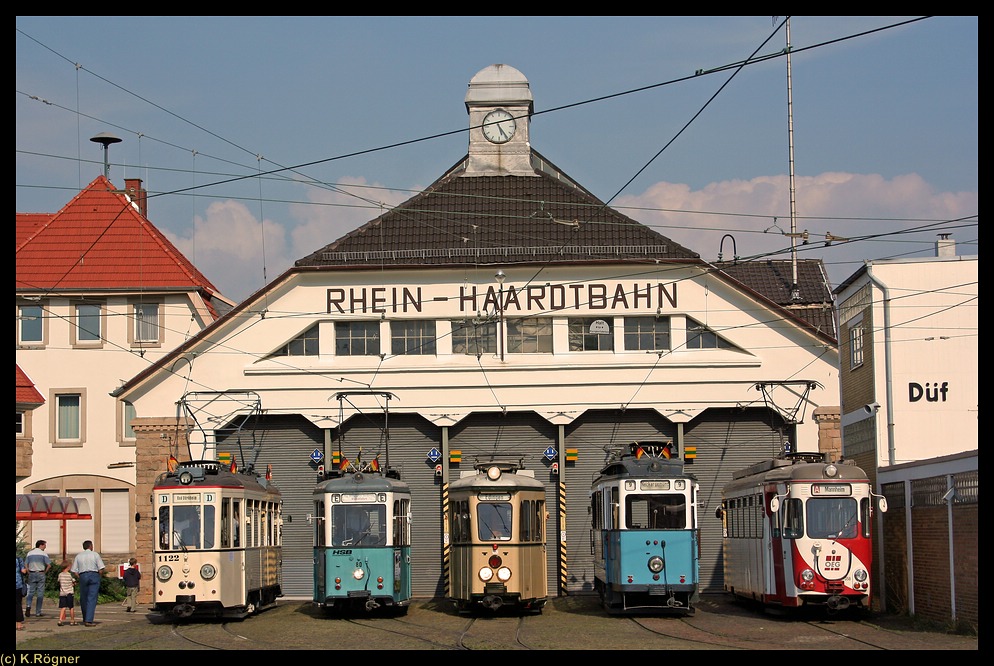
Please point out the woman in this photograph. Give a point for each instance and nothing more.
(19, 578)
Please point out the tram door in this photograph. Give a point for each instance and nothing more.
(779, 548)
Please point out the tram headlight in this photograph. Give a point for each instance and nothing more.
(807, 575)
(358, 574)
(486, 573)
(655, 564)
(208, 571)
(503, 574)
(164, 573)
(860, 575)
(831, 470)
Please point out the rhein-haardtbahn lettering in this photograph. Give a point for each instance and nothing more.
(534, 298)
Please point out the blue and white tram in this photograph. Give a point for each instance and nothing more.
(362, 540)
(644, 534)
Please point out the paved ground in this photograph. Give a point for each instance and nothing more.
(567, 623)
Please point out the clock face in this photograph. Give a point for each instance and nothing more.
(499, 126)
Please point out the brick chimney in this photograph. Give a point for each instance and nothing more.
(134, 188)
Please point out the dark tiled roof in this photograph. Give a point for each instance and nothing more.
(499, 220)
(772, 278)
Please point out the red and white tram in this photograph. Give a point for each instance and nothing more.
(797, 531)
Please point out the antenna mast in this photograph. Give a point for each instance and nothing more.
(795, 294)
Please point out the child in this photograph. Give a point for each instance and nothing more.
(67, 586)
(131, 577)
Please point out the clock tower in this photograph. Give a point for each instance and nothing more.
(499, 103)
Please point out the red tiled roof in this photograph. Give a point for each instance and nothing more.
(25, 391)
(27, 224)
(99, 240)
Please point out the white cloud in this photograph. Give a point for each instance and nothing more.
(756, 213)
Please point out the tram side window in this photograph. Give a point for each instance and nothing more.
(320, 524)
(495, 521)
(793, 519)
(615, 507)
(225, 522)
(866, 512)
(250, 519)
(164, 530)
(210, 523)
(236, 523)
(532, 521)
(596, 508)
(459, 522)
(401, 534)
(538, 533)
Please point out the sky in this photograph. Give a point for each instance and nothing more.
(262, 139)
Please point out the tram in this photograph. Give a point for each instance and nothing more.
(644, 532)
(362, 540)
(797, 531)
(218, 552)
(497, 526)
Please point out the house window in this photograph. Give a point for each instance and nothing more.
(19, 428)
(412, 337)
(469, 337)
(700, 336)
(31, 329)
(68, 417)
(357, 338)
(531, 335)
(146, 322)
(590, 334)
(647, 333)
(88, 323)
(129, 415)
(856, 345)
(305, 344)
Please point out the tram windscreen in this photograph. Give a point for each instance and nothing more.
(655, 512)
(494, 520)
(358, 525)
(832, 517)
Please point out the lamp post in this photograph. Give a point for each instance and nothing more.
(499, 276)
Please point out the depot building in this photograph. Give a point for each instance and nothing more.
(502, 313)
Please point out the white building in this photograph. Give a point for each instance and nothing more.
(503, 312)
(100, 294)
(910, 418)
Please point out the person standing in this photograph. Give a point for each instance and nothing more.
(67, 586)
(38, 563)
(132, 576)
(89, 567)
(19, 581)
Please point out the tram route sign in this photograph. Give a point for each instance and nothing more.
(317, 456)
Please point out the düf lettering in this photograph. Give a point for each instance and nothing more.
(929, 391)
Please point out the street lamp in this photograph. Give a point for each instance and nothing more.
(500, 276)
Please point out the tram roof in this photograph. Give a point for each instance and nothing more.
(793, 469)
(212, 473)
(647, 466)
(361, 482)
